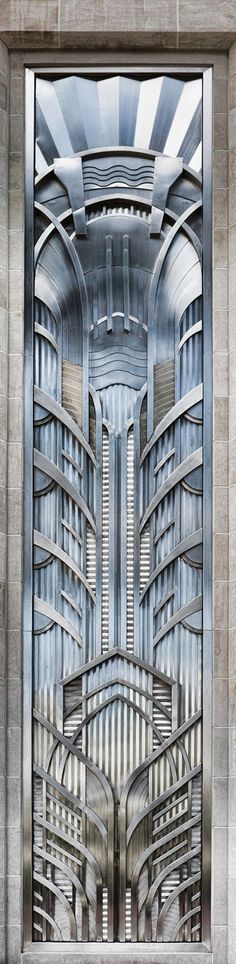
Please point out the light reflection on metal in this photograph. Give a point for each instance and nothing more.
(118, 520)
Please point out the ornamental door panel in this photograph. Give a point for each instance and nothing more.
(117, 585)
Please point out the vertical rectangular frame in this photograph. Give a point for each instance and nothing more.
(28, 503)
(31, 72)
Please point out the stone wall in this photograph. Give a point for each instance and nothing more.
(147, 25)
(139, 24)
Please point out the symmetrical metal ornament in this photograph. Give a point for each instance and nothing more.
(118, 519)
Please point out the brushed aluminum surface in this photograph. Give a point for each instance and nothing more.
(120, 575)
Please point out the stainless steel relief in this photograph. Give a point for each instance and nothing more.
(118, 519)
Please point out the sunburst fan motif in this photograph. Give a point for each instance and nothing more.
(161, 114)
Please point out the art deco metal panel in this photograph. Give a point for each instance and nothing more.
(118, 510)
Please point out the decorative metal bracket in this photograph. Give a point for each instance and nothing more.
(166, 171)
(70, 173)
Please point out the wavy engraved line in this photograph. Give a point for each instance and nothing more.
(61, 897)
(122, 357)
(184, 468)
(97, 179)
(123, 183)
(118, 349)
(194, 606)
(41, 606)
(90, 168)
(120, 377)
(50, 405)
(44, 543)
(45, 465)
(176, 411)
(106, 151)
(194, 539)
(183, 782)
(110, 366)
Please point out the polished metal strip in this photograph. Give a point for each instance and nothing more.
(28, 502)
(126, 281)
(109, 282)
(47, 402)
(72, 531)
(43, 913)
(74, 800)
(207, 508)
(118, 681)
(194, 606)
(155, 804)
(194, 540)
(178, 890)
(122, 654)
(165, 599)
(61, 865)
(40, 330)
(181, 406)
(72, 602)
(45, 465)
(191, 913)
(164, 460)
(44, 543)
(72, 461)
(62, 899)
(41, 606)
(189, 334)
(191, 462)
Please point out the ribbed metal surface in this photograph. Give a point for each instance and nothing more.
(105, 541)
(117, 644)
(130, 541)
